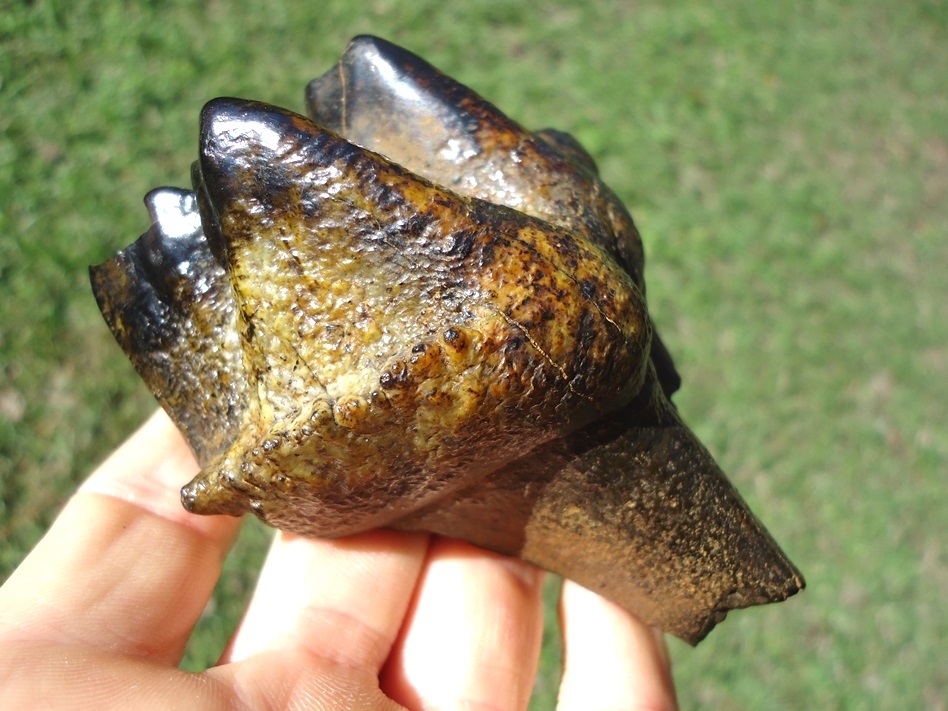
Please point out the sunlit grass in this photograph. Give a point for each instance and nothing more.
(786, 162)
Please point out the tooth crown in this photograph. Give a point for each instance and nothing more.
(408, 311)
(345, 269)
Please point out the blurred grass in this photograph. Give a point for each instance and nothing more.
(786, 162)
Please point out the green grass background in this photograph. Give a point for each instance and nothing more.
(787, 163)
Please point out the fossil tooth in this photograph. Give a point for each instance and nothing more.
(455, 138)
(408, 311)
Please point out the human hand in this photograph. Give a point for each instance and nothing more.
(98, 615)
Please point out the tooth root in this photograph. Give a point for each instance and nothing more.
(634, 508)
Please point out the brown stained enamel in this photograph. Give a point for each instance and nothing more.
(330, 285)
(416, 314)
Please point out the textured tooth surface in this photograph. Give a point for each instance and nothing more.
(454, 137)
(450, 135)
(411, 312)
(346, 267)
(169, 303)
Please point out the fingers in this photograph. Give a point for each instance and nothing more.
(124, 573)
(341, 600)
(611, 659)
(124, 567)
(322, 621)
(472, 637)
